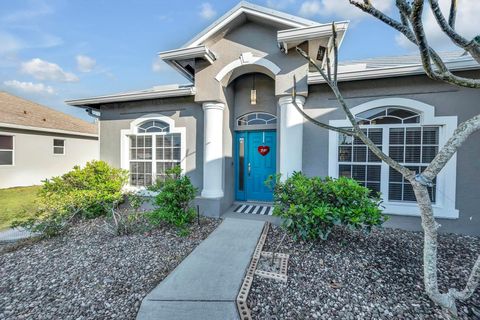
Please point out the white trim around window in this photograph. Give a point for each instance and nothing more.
(444, 206)
(9, 150)
(134, 126)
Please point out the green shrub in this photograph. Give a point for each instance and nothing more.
(81, 193)
(172, 202)
(311, 207)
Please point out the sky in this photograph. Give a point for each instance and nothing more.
(56, 50)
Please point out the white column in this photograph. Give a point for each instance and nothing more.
(291, 135)
(213, 150)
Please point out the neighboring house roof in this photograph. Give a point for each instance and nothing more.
(167, 91)
(394, 66)
(20, 113)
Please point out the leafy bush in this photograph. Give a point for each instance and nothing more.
(172, 203)
(81, 193)
(311, 207)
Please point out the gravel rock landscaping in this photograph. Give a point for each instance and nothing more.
(354, 276)
(89, 274)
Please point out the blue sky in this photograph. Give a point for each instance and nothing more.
(51, 51)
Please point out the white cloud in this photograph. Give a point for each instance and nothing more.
(341, 9)
(85, 63)
(158, 65)
(467, 13)
(279, 4)
(29, 87)
(206, 11)
(310, 8)
(44, 70)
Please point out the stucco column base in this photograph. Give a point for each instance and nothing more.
(213, 150)
(291, 136)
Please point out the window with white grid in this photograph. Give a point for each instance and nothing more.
(399, 134)
(152, 151)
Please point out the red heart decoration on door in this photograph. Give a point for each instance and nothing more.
(263, 150)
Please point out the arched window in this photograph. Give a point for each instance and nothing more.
(407, 131)
(154, 146)
(256, 118)
(387, 115)
(153, 126)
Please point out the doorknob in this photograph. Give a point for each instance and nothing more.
(249, 168)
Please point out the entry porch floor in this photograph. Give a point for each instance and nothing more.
(261, 211)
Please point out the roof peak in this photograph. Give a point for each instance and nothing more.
(267, 14)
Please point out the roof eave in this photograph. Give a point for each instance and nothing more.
(132, 96)
(51, 130)
(390, 72)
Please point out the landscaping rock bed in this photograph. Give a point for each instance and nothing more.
(89, 274)
(354, 276)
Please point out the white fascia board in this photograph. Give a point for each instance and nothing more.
(30, 128)
(188, 53)
(250, 9)
(310, 33)
(134, 96)
(389, 72)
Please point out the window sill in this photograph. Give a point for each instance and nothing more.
(412, 209)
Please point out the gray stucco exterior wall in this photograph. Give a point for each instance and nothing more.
(447, 100)
(184, 111)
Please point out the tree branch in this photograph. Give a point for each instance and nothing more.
(314, 121)
(471, 46)
(443, 74)
(460, 135)
(361, 135)
(472, 283)
(453, 14)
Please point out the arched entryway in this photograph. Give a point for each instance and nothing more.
(255, 136)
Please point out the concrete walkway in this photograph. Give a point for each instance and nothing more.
(206, 284)
(11, 235)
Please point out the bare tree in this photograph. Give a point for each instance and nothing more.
(412, 27)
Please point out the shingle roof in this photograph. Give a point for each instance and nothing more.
(18, 111)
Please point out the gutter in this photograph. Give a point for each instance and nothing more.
(30, 128)
(133, 96)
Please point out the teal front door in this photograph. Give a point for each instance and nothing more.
(255, 161)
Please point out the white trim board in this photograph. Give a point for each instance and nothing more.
(445, 206)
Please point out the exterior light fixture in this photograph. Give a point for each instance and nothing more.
(253, 93)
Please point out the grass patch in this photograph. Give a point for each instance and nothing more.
(17, 204)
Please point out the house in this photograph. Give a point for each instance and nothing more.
(37, 142)
(236, 124)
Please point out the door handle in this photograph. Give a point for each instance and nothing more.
(249, 168)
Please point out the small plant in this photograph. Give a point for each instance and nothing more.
(127, 220)
(83, 193)
(311, 207)
(172, 203)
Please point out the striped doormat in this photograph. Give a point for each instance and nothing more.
(254, 209)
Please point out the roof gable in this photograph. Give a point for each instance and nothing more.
(253, 12)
